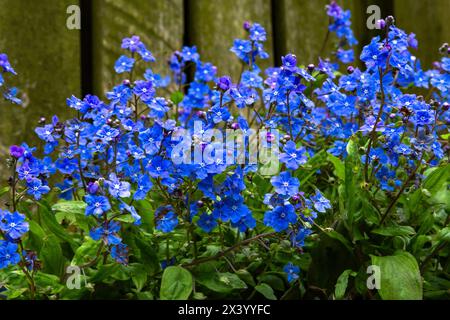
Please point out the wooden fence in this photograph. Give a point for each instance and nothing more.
(54, 62)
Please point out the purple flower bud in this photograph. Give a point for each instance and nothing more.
(201, 114)
(16, 151)
(381, 24)
(270, 137)
(235, 126)
(92, 187)
(295, 197)
(311, 67)
(350, 69)
(200, 204)
(247, 25)
(445, 106)
(126, 82)
(224, 83)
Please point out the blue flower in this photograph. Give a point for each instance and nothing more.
(13, 224)
(207, 222)
(131, 210)
(321, 203)
(424, 117)
(120, 253)
(292, 156)
(257, 33)
(205, 72)
(242, 49)
(8, 254)
(292, 272)
(143, 187)
(289, 62)
(96, 205)
(285, 184)
(107, 232)
(36, 188)
(251, 79)
(66, 165)
(167, 222)
(124, 64)
(118, 188)
(190, 54)
(132, 43)
(280, 217)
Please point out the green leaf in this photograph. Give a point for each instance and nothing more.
(246, 276)
(400, 277)
(342, 283)
(86, 252)
(3, 191)
(393, 231)
(138, 275)
(176, 284)
(336, 235)
(72, 207)
(52, 256)
(266, 291)
(221, 282)
(50, 223)
(339, 167)
(177, 97)
(437, 178)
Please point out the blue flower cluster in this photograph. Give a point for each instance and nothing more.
(124, 149)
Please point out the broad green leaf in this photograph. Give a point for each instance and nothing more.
(138, 275)
(73, 207)
(176, 284)
(266, 291)
(86, 252)
(50, 223)
(221, 282)
(275, 281)
(246, 276)
(400, 277)
(395, 231)
(339, 167)
(51, 255)
(342, 283)
(336, 235)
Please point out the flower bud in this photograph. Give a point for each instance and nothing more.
(390, 20)
(16, 151)
(350, 69)
(224, 83)
(311, 67)
(380, 24)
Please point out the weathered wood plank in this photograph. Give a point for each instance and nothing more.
(214, 24)
(46, 56)
(159, 23)
(303, 26)
(429, 20)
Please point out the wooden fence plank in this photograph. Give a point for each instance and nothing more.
(46, 56)
(303, 28)
(214, 24)
(159, 23)
(429, 20)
